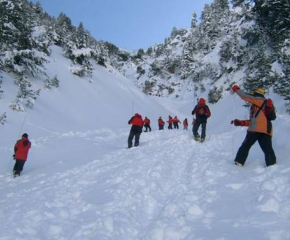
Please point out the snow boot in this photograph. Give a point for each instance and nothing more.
(238, 164)
(197, 138)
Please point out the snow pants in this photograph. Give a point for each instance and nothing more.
(161, 127)
(170, 126)
(18, 166)
(175, 125)
(196, 126)
(134, 133)
(147, 126)
(265, 142)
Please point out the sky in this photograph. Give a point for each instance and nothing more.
(81, 182)
(129, 24)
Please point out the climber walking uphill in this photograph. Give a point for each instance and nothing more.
(136, 130)
(147, 124)
(185, 124)
(202, 113)
(21, 149)
(161, 123)
(170, 121)
(176, 121)
(259, 126)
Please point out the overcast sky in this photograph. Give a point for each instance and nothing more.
(129, 24)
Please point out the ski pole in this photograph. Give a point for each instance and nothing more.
(233, 135)
(132, 107)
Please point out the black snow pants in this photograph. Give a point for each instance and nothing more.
(147, 126)
(265, 142)
(135, 132)
(196, 126)
(18, 167)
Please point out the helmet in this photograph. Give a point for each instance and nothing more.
(260, 91)
(201, 100)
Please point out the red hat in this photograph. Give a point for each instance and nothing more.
(201, 100)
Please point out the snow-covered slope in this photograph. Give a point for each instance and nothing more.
(80, 181)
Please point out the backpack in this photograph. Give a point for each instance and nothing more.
(200, 110)
(269, 110)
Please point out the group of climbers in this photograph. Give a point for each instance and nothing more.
(262, 112)
(173, 121)
(201, 111)
(259, 125)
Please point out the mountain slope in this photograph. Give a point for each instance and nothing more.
(170, 187)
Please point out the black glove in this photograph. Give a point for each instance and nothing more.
(238, 122)
(14, 156)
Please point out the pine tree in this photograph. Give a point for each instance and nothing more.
(17, 22)
(274, 17)
(259, 71)
(63, 28)
(193, 24)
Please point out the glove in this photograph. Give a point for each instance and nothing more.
(14, 156)
(238, 122)
(235, 88)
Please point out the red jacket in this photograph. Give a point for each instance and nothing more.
(147, 120)
(21, 149)
(175, 120)
(170, 120)
(160, 122)
(136, 120)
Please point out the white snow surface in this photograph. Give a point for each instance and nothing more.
(81, 181)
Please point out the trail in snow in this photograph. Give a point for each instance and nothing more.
(170, 187)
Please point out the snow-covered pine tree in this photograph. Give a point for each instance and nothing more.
(215, 94)
(63, 29)
(26, 96)
(274, 17)
(258, 73)
(1, 91)
(51, 82)
(282, 83)
(3, 118)
(18, 52)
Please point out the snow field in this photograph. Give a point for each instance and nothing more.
(171, 187)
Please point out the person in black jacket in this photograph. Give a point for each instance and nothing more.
(202, 113)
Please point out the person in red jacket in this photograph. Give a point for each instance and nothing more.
(176, 121)
(136, 129)
(147, 124)
(202, 113)
(185, 124)
(161, 123)
(21, 149)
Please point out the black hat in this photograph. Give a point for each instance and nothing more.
(25, 135)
